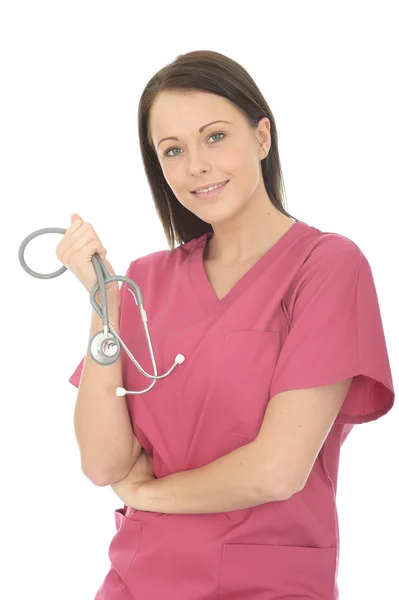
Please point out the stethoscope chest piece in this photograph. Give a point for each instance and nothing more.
(104, 350)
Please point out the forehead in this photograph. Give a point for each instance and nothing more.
(179, 113)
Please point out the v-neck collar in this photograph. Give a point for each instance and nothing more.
(200, 279)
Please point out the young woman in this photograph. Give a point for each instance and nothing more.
(228, 467)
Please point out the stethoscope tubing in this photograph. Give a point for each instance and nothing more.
(104, 278)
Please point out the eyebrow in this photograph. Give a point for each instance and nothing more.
(200, 130)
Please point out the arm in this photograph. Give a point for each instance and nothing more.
(294, 429)
(107, 444)
(273, 467)
(235, 481)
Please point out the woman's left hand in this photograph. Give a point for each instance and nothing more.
(141, 472)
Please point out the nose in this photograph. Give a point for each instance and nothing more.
(198, 171)
(197, 164)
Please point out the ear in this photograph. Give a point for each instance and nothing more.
(264, 137)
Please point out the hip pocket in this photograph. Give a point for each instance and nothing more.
(124, 544)
(245, 369)
(261, 572)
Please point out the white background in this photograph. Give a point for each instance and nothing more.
(71, 77)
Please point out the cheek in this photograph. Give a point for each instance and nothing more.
(177, 182)
(174, 177)
(233, 162)
(241, 157)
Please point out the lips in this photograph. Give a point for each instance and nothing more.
(208, 186)
(213, 193)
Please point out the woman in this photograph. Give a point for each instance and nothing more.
(233, 495)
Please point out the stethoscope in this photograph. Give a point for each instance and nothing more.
(104, 348)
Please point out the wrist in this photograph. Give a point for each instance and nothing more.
(112, 291)
(113, 304)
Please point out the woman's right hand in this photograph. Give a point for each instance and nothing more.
(76, 249)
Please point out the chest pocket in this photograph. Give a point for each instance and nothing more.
(245, 369)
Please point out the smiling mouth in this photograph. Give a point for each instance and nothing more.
(212, 193)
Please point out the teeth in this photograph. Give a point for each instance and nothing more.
(210, 188)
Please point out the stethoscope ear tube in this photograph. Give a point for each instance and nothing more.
(26, 241)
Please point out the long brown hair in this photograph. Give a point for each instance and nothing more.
(207, 71)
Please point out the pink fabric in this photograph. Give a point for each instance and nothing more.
(305, 315)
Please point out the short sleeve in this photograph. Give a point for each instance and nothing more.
(77, 374)
(336, 332)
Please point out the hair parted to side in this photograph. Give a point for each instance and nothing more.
(212, 72)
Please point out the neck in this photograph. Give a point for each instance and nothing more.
(232, 246)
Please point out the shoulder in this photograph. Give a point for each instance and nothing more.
(323, 264)
(163, 259)
(331, 249)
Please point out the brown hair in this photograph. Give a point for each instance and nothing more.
(211, 72)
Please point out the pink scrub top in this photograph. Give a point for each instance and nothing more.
(305, 315)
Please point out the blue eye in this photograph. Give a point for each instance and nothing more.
(176, 147)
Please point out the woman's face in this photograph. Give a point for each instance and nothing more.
(221, 151)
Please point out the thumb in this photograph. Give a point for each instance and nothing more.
(75, 217)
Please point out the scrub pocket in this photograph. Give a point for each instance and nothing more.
(261, 572)
(245, 369)
(124, 544)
